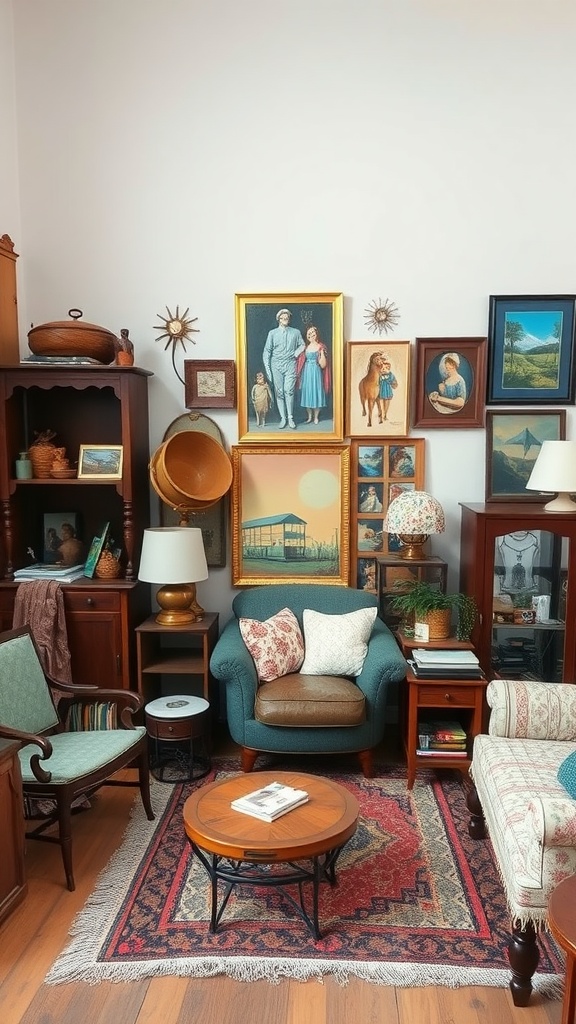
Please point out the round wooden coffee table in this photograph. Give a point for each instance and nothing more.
(301, 846)
(562, 924)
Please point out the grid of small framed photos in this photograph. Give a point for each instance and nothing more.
(380, 471)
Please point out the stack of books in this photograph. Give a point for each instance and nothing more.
(441, 739)
(270, 802)
(445, 664)
(46, 571)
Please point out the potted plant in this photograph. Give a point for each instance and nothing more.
(421, 601)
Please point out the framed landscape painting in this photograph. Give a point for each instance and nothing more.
(289, 367)
(450, 382)
(378, 386)
(290, 512)
(513, 441)
(531, 349)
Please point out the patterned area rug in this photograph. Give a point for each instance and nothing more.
(417, 902)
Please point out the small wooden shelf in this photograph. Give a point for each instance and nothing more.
(175, 651)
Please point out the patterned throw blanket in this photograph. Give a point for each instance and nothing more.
(40, 605)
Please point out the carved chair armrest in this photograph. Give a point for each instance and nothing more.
(28, 738)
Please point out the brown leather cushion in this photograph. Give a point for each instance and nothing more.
(302, 701)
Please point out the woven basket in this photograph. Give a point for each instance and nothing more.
(107, 568)
(439, 623)
(42, 457)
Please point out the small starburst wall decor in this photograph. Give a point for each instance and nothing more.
(176, 328)
(381, 316)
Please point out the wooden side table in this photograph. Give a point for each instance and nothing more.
(442, 695)
(562, 924)
(174, 651)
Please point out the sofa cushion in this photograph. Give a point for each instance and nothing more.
(336, 644)
(301, 701)
(276, 644)
(567, 774)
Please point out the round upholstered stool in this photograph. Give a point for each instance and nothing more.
(178, 730)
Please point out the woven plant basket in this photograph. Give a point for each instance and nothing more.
(107, 567)
(42, 457)
(439, 623)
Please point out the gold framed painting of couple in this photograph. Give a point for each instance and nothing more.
(289, 367)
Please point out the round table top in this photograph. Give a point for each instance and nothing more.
(324, 823)
(562, 914)
(182, 705)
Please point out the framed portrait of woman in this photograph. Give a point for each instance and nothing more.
(289, 367)
(450, 382)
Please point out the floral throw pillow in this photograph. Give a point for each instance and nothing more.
(276, 644)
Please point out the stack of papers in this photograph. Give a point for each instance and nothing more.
(46, 571)
(270, 802)
(435, 664)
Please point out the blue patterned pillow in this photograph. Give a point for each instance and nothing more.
(567, 774)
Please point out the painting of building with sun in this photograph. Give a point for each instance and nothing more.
(290, 515)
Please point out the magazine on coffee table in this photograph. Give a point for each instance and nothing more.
(270, 802)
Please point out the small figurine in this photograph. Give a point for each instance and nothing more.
(125, 349)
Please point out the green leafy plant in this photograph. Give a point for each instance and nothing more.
(419, 598)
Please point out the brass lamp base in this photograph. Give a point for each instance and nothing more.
(413, 545)
(178, 604)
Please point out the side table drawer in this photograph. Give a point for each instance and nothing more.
(446, 694)
(91, 601)
(169, 729)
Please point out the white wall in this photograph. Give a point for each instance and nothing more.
(175, 152)
(9, 198)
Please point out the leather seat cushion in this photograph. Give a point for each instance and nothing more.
(303, 701)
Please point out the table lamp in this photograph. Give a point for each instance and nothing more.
(555, 470)
(414, 515)
(174, 557)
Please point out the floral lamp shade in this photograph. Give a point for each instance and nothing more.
(413, 516)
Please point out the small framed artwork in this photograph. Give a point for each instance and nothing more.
(100, 461)
(378, 386)
(289, 367)
(62, 540)
(290, 514)
(380, 471)
(95, 551)
(513, 441)
(209, 383)
(531, 349)
(450, 382)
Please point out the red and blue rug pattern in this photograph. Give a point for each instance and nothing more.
(417, 901)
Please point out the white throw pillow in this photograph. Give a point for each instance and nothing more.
(336, 645)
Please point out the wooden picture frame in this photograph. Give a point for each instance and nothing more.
(380, 470)
(449, 382)
(264, 414)
(209, 383)
(290, 514)
(531, 349)
(100, 462)
(513, 440)
(371, 368)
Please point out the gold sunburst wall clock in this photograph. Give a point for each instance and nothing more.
(381, 316)
(176, 327)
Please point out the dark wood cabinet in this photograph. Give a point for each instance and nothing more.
(13, 885)
(510, 554)
(90, 405)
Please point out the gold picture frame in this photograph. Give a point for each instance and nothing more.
(313, 371)
(378, 388)
(100, 461)
(290, 514)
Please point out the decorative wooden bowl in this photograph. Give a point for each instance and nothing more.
(63, 474)
(73, 337)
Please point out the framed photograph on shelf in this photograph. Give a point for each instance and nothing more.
(380, 471)
(95, 551)
(100, 461)
(289, 367)
(513, 441)
(378, 388)
(450, 382)
(290, 514)
(531, 349)
(59, 528)
(209, 384)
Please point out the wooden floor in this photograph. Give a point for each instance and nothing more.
(37, 931)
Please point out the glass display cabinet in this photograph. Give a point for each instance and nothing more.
(516, 560)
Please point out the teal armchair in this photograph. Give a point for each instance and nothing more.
(231, 662)
(57, 765)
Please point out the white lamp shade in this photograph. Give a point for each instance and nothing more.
(415, 512)
(555, 467)
(173, 554)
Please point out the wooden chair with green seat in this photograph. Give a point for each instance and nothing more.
(59, 765)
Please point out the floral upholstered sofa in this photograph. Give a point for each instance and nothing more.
(529, 813)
